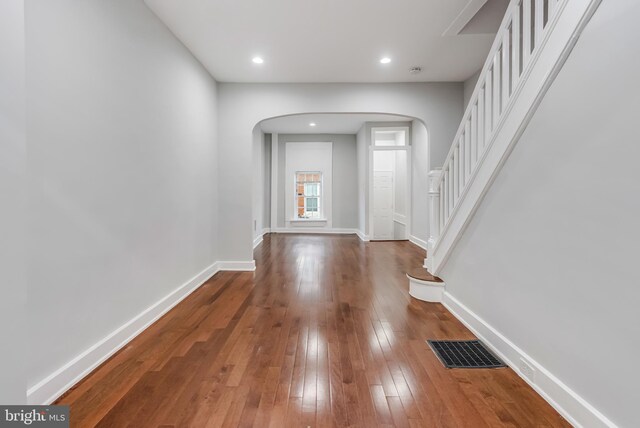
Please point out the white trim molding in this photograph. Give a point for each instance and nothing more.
(466, 14)
(57, 383)
(428, 291)
(258, 239)
(240, 266)
(419, 242)
(362, 236)
(567, 402)
(296, 223)
(316, 230)
(274, 180)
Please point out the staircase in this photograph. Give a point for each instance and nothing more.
(533, 42)
(525, 319)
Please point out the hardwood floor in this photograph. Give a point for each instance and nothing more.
(324, 333)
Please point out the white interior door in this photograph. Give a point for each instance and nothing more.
(382, 205)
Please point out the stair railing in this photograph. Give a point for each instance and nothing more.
(520, 36)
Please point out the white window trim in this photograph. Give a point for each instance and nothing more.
(321, 217)
(308, 220)
(325, 168)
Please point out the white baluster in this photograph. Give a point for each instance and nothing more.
(450, 190)
(474, 136)
(463, 156)
(527, 25)
(441, 199)
(467, 149)
(496, 89)
(506, 67)
(481, 108)
(515, 47)
(488, 110)
(539, 22)
(552, 7)
(455, 169)
(434, 208)
(445, 197)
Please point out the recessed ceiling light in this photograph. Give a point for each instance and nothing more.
(257, 60)
(385, 60)
(312, 124)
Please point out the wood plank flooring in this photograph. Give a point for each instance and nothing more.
(323, 334)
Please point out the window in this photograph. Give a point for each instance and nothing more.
(389, 137)
(308, 194)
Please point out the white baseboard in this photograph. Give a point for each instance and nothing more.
(427, 291)
(258, 239)
(316, 230)
(567, 402)
(419, 242)
(53, 386)
(248, 266)
(362, 236)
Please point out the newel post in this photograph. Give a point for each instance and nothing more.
(434, 214)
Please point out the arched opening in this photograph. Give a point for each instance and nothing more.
(336, 195)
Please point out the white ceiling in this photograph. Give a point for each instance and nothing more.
(326, 123)
(328, 40)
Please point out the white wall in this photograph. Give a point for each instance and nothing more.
(242, 106)
(122, 166)
(550, 258)
(345, 178)
(420, 166)
(12, 213)
(257, 167)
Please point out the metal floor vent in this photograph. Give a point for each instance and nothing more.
(464, 354)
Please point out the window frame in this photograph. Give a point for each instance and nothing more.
(304, 196)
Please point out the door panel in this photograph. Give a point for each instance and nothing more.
(382, 205)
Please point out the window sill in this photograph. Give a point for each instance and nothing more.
(308, 223)
(308, 220)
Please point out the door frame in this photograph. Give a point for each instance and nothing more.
(407, 148)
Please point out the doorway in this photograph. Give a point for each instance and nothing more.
(390, 184)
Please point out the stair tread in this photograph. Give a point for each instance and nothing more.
(422, 274)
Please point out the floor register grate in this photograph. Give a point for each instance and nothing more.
(464, 354)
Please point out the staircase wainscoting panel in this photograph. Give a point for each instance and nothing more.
(532, 44)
